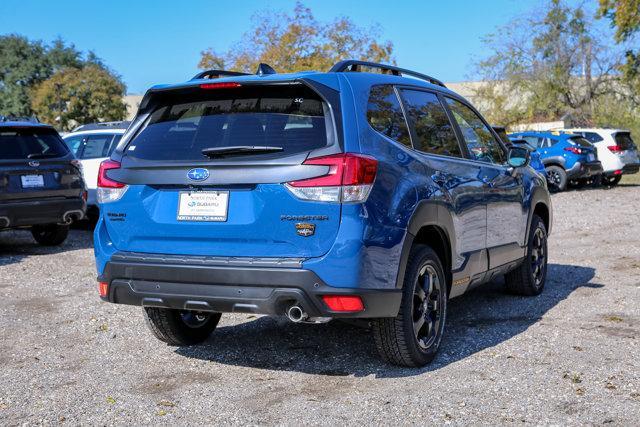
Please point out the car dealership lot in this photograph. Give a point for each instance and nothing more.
(569, 356)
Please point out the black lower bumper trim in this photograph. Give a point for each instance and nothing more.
(260, 290)
(41, 211)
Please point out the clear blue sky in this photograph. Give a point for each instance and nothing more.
(149, 42)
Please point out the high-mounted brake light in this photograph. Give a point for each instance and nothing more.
(349, 179)
(223, 85)
(108, 189)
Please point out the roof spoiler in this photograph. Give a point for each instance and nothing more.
(263, 70)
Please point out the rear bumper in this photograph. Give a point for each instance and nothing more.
(227, 285)
(43, 211)
(631, 168)
(585, 170)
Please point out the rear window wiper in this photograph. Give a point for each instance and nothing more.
(239, 149)
(42, 155)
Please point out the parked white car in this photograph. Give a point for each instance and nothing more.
(91, 144)
(616, 151)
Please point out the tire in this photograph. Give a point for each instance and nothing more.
(396, 338)
(50, 235)
(529, 278)
(556, 177)
(611, 180)
(180, 327)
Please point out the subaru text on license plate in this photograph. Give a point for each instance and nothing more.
(203, 206)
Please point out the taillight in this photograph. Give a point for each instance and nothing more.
(223, 85)
(343, 302)
(108, 189)
(349, 179)
(574, 150)
(615, 148)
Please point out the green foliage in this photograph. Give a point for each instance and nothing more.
(546, 66)
(297, 41)
(624, 16)
(74, 96)
(27, 65)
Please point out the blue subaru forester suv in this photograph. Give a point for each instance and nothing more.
(368, 191)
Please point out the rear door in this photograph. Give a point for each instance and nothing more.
(503, 193)
(35, 163)
(181, 200)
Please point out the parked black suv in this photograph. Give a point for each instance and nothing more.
(41, 185)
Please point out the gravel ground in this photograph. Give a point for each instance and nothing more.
(569, 356)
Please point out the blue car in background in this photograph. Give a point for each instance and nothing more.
(566, 157)
(535, 161)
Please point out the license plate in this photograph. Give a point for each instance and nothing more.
(203, 206)
(591, 157)
(32, 181)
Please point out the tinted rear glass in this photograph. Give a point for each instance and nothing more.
(578, 140)
(592, 137)
(30, 143)
(623, 139)
(384, 113)
(292, 117)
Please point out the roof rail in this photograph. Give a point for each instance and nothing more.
(216, 74)
(354, 65)
(103, 125)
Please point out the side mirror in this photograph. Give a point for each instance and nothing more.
(518, 157)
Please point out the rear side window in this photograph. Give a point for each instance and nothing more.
(429, 119)
(479, 139)
(30, 143)
(97, 146)
(533, 141)
(623, 139)
(384, 114)
(181, 126)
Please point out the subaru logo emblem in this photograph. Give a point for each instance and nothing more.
(198, 174)
(34, 164)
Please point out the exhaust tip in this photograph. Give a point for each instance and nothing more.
(296, 314)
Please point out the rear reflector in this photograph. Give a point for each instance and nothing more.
(618, 172)
(349, 179)
(103, 289)
(343, 303)
(223, 85)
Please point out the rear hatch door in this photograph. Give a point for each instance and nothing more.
(628, 151)
(34, 164)
(187, 196)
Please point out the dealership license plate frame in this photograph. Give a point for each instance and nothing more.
(202, 214)
(32, 181)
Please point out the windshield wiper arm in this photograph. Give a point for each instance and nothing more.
(239, 149)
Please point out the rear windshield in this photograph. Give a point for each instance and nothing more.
(578, 140)
(623, 139)
(30, 143)
(292, 117)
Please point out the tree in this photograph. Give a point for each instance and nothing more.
(22, 64)
(297, 41)
(624, 16)
(75, 96)
(547, 66)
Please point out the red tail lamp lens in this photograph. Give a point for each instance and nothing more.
(343, 303)
(103, 288)
(103, 180)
